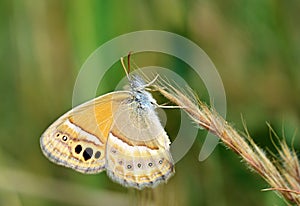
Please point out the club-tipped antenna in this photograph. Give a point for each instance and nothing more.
(128, 61)
(127, 70)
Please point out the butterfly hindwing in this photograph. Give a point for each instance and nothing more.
(138, 152)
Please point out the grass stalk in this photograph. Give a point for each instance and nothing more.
(281, 173)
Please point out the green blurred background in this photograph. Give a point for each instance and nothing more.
(254, 44)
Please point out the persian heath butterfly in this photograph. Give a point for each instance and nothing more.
(118, 132)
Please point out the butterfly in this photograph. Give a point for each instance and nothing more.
(119, 132)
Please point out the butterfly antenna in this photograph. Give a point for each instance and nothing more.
(128, 61)
(127, 70)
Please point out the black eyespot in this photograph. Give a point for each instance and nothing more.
(87, 153)
(64, 138)
(129, 166)
(160, 161)
(139, 165)
(57, 135)
(150, 164)
(97, 154)
(78, 148)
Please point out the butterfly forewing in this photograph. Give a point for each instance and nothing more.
(78, 138)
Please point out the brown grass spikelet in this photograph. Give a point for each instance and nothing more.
(282, 173)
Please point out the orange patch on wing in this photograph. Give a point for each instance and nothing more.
(95, 120)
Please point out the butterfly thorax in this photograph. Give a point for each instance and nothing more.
(141, 99)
